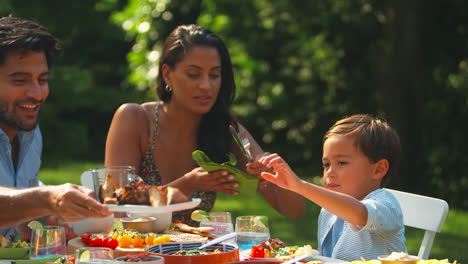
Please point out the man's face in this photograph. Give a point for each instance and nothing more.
(23, 89)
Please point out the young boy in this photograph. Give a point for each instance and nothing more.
(358, 218)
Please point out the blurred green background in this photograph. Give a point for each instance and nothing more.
(299, 67)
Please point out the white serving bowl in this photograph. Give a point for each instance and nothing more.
(94, 225)
(162, 223)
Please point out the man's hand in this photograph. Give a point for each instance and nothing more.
(72, 203)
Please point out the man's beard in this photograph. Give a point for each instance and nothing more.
(13, 121)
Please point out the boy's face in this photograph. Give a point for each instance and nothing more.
(346, 169)
(23, 89)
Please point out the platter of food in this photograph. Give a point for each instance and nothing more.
(124, 241)
(122, 193)
(274, 249)
(13, 248)
(14, 253)
(134, 208)
(188, 253)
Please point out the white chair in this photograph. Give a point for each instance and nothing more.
(425, 213)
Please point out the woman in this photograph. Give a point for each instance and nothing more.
(196, 88)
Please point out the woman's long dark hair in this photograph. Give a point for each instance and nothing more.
(213, 134)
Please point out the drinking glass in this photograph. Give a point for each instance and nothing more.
(251, 231)
(121, 175)
(221, 222)
(48, 241)
(94, 255)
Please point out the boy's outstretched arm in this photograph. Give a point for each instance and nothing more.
(342, 205)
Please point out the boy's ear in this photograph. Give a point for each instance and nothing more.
(381, 169)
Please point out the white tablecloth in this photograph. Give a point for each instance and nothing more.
(325, 260)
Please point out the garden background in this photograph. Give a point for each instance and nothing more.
(299, 66)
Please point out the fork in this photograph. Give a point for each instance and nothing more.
(246, 144)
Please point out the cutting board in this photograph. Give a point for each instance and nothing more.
(76, 243)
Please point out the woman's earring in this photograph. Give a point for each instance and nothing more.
(168, 89)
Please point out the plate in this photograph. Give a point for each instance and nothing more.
(14, 253)
(246, 255)
(133, 208)
(37, 261)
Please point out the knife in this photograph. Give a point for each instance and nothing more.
(238, 142)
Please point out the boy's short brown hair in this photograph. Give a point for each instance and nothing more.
(374, 137)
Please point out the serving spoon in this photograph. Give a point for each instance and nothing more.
(218, 240)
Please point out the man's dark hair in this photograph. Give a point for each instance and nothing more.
(21, 34)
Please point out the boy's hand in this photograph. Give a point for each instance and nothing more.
(284, 177)
(255, 168)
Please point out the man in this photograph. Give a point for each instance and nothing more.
(26, 50)
(68, 201)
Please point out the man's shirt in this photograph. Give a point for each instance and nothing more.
(29, 162)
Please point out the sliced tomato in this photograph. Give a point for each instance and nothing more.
(105, 241)
(257, 252)
(112, 243)
(85, 238)
(95, 242)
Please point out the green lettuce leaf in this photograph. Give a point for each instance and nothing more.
(230, 166)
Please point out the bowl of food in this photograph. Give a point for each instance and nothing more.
(147, 259)
(188, 253)
(398, 258)
(162, 223)
(94, 225)
(257, 262)
(140, 224)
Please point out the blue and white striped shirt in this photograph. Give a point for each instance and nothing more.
(383, 233)
(29, 162)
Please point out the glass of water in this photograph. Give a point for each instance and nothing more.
(221, 222)
(94, 255)
(48, 241)
(251, 231)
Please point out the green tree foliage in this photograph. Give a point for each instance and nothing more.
(299, 66)
(302, 65)
(87, 83)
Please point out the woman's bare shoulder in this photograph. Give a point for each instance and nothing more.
(131, 113)
(136, 110)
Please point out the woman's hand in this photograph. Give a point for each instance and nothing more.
(175, 195)
(200, 180)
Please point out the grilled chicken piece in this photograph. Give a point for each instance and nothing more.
(106, 191)
(157, 195)
(137, 192)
